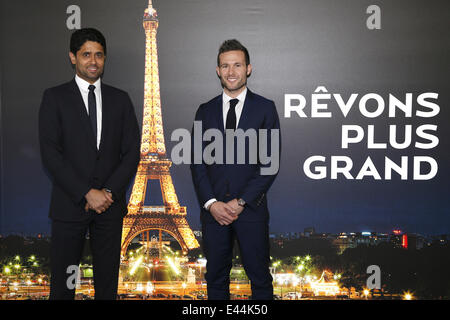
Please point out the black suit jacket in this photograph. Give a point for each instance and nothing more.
(229, 181)
(70, 155)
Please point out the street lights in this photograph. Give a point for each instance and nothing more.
(28, 286)
(366, 293)
(408, 296)
(275, 265)
(285, 282)
(15, 284)
(150, 288)
(295, 283)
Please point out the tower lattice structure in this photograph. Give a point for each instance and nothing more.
(170, 217)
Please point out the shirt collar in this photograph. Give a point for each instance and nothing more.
(84, 85)
(241, 97)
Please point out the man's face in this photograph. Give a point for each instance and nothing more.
(233, 72)
(89, 61)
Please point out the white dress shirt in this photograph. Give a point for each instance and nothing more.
(239, 106)
(225, 107)
(83, 85)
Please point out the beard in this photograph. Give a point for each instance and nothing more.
(236, 87)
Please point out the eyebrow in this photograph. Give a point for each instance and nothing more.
(94, 52)
(227, 64)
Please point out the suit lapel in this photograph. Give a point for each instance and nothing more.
(81, 109)
(246, 111)
(106, 103)
(219, 116)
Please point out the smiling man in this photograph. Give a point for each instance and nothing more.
(89, 138)
(233, 196)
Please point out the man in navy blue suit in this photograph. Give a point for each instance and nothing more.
(232, 195)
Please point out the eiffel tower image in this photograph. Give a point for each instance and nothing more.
(169, 217)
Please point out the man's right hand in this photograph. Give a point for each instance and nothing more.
(223, 213)
(98, 200)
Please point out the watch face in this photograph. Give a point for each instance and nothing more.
(241, 202)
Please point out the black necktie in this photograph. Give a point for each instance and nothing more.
(93, 110)
(231, 115)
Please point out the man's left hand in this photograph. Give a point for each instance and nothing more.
(237, 208)
(107, 194)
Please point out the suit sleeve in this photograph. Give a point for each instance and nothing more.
(259, 184)
(130, 152)
(199, 171)
(52, 150)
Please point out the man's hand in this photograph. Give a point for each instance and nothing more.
(223, 213)
(98, 200)
(236, 207)
(108, 195)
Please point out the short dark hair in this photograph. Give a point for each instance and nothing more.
(231, 45)
(79, 37)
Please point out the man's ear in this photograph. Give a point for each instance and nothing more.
(217, 72)
(72, 57)
(249, 70)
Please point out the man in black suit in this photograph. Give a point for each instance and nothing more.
(89, 138)
(232, 196)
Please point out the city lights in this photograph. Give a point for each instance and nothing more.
(171, 275)
(149, 287)
(276, 264)
(324, 286)
(297, 280)
(173, 266)
(136, 264)
(366, 292)
(408, 296)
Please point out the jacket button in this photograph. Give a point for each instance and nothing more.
(227, 195)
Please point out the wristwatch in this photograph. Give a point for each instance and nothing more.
(241, 202)
(109, 191)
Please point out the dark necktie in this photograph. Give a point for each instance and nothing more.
(231, 115)
(93, 110)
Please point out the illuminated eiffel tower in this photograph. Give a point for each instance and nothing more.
(170, 217)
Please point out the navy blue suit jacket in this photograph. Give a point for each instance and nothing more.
(69, 152)
(229, 181)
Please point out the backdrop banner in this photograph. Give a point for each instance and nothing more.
(361, 88)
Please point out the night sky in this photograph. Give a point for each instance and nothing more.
(294, 47)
